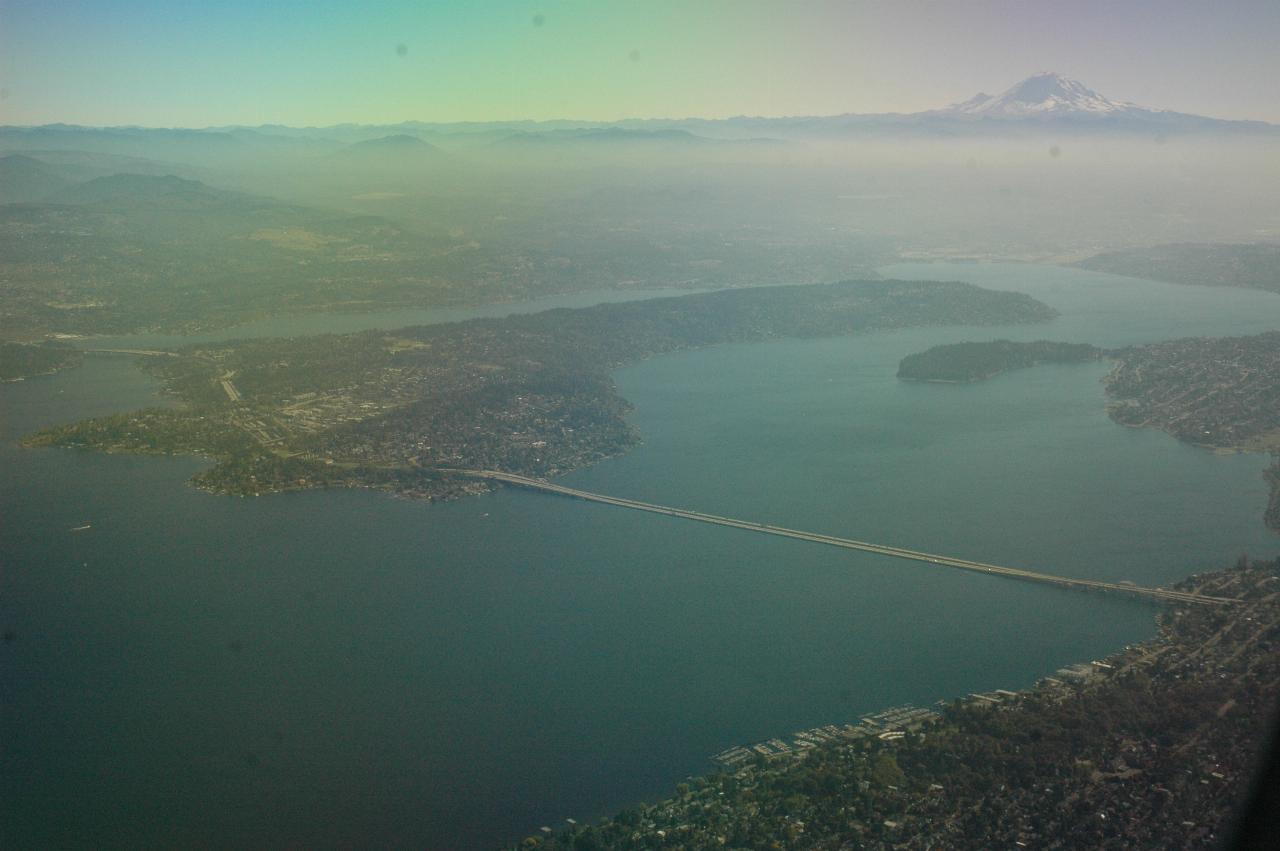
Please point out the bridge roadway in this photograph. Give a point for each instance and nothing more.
(151, 353)
(846, 543)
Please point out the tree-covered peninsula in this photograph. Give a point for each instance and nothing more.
(525, 394)
(23, 360)
(965, 362)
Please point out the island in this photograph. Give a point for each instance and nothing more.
(1154, 747)
(960, 363)
(24, 360)
(529, 394)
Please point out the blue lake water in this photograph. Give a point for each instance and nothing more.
(344, 668)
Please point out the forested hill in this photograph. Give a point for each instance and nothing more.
(963, 362)
(20, 360)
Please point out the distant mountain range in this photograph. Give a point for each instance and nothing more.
(25, 179)
(1043, 103)
(398, 144)
(591, 135)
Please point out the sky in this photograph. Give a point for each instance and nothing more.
(195, 64)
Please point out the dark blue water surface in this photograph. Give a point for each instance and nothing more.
(344, 668)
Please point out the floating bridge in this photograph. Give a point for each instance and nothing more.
(543, 486)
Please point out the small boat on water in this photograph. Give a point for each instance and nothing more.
(81, 528)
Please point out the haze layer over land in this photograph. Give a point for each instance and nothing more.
(312, 256)
(112, 230)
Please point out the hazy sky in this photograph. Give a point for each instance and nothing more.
(209, 62)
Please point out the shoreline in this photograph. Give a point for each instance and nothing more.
(1177, 720)
(909, 718)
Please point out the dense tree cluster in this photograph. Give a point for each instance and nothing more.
(963, 362)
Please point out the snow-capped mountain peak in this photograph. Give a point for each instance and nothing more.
(1043, 95)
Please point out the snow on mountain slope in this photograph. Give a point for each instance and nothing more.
(1046, 95)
